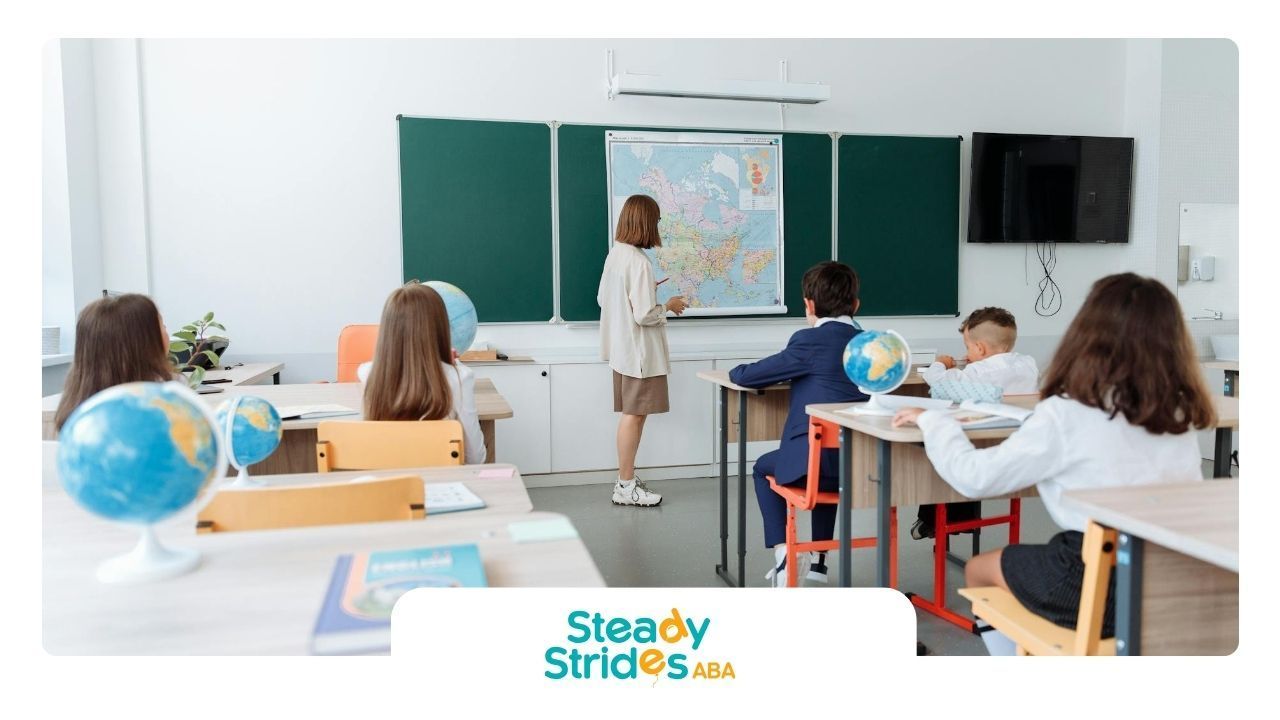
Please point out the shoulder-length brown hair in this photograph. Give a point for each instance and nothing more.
(638, 222)
(118, 340)
(407, 381)
(1129, 352)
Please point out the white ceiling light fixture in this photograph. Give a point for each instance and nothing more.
(778, 91)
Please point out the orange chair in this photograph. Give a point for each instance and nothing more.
(355, 346)
(824, 435)
(387, 444)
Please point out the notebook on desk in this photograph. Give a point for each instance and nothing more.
(980, 415)
(314, 412)
(451, 497)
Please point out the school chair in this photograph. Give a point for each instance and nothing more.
(355, 346)
(942, 553)
(265, 508)
(824, 435)
(1035, 635)
(380, 445)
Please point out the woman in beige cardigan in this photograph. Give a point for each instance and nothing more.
(633, 339)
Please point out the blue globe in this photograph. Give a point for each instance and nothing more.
(877, 361)
(255, 430)
(462, 314)
(138, 453)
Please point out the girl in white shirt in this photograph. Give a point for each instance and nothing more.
(414, 374)
(1118, 406)
(633, 339)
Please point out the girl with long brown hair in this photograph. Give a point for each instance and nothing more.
(633, 339)
(119, 340)
(414, 375)
(1119, 406)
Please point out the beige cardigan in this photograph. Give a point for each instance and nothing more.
(633, 333)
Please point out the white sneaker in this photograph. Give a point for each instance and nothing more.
(778, 574)
(635, 493)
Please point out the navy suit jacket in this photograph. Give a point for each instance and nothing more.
(814, 363)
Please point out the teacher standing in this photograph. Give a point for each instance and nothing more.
(633, 339)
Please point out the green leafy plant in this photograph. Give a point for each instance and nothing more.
(194, 340)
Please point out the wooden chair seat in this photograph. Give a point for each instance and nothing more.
(1032, 633)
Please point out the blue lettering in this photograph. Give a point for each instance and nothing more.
(554, 660)
(678, 670)
(574, 622)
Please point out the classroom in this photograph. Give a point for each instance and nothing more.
(399, 280)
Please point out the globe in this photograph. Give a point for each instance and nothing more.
(139, 453)
(462, 314)
(877, 361)
(251, 429)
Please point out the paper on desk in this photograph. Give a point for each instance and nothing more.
(527, 531)
(503, 472)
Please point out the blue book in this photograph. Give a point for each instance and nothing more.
(356, 615)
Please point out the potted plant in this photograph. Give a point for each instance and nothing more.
(193, 349)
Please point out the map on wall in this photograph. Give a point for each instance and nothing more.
(721, 202)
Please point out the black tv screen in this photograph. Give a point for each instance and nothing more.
(1050, 188)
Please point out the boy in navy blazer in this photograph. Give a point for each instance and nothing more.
(813, 362)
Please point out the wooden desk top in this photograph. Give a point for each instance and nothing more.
(878, 426)
(721, 378)
(254, 592)
(501, 496)
(1222, 364)
(1199, 519)
(489, 402)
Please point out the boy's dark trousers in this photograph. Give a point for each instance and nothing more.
(956, 512)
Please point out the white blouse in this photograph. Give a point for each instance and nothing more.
(462, 388)
(1015, 372)
(633, 334)
(1064, 445)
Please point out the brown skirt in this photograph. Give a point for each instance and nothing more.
(640, 396)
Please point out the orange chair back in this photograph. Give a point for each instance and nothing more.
(823, 435)
(355, 346)
(380, 445)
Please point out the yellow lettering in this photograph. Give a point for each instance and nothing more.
(652, 661)
(673, 628)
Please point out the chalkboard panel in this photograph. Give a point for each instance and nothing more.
(584, 211)
(899, 221)
(475, 203)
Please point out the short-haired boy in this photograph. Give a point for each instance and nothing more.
(813, 363)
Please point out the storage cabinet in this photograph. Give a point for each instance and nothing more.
(523, 440)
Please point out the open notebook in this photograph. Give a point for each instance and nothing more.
(978, 415)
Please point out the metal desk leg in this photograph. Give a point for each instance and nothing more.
(1222, 453)
(275, 378)
(1129, 595)
(722, 569)
(884, 502)
(1229, 380)
(845, 519)
(742, 489)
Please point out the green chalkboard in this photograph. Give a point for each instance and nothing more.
(475, 206)
(584, 211)
(898, 221)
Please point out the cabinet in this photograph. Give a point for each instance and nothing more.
(523, 440)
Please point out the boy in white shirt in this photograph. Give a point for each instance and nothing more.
(989, 335)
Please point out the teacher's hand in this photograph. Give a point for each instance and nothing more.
(677, 305)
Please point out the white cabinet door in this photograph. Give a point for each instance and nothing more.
(524, 439)
(682, 436)
(583, 424)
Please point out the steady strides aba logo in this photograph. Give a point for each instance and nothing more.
(619, 648)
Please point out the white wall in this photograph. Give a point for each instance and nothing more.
(57, 286)
(270, 191)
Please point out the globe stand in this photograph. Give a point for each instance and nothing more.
(243, 480)
(148, 561)
(874, 406)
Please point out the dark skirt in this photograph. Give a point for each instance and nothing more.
(1047, 580)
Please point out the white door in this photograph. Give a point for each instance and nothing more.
(524, 439)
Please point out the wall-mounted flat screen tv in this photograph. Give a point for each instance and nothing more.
(1050, 188)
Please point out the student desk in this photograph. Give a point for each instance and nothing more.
(863, 437)
(760, 416)
(1177, 566)
(501, 496)
(246, 373)
(297, 451)
(259, 592)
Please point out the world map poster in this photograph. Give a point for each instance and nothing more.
(721, 227)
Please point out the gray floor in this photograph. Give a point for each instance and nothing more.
(677, 545)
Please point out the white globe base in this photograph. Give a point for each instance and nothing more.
(244, 481)
(874, 407)
(147, 562)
